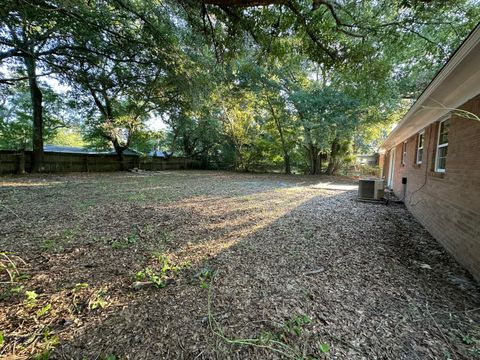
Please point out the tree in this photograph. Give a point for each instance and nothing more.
(16, 120)
(26, 41)
(119, 92)
(328, 118)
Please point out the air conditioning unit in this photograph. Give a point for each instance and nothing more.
(370, 189)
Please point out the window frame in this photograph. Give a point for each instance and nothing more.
(404, 153)
(437, 169)
(420, 134)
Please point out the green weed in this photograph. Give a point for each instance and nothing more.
(267, 340)
(164, 236)
(98, 300)
(44, 310)
(48, 341)
(324, 348)
(31, 298)
(205, 277)
(51, 245)
(294, 326)
(159, 277)
(147, 274)
(125, 243)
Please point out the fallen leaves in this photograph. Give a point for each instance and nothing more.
(369, 278)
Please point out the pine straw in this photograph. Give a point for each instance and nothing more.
(387, 290)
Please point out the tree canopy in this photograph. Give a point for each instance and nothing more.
(295, 84)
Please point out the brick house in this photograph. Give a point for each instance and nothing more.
(431, 160)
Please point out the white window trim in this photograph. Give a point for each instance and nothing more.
(418, 147)
(404, 152)
(437, 169)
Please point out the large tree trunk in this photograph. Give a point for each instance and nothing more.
(315, 160)
(287, 162)
(333, 160)
(286, 155)
(121, 160)
(37, 114)
(119, 149)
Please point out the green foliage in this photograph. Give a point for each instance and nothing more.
(159, 277)
(324, 348)
(98, 300)
(294, 326)
(16, 119)
(205, 277)
(51, 245)
(44, 310)
(9, 265)
(292, 86)
(31, 298)
(275, 341)
(68, 137)
(125, 243)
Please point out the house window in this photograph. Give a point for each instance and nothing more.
(420, 141)
(442, 146)
(404, 152)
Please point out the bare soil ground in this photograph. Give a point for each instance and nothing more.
(212, 265)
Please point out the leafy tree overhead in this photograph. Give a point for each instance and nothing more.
(283, 83)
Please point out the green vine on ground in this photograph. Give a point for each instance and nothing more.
(265, 342)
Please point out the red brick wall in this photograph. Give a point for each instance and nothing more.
(447, 204)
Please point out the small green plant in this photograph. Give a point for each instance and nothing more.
(137, 197)
(468, 340)
(44, 310)
(266, 340)
(49, 339)
(295, 325)
(68, 234)
(2, 339)
(44, 355)
(186, 265)
(205, 276)
(158, 278)
(324, 348)
(51, 245)
(31, 298)
(164, 237)
(76, 290)
(151, 276)
(111, 357)
(80, 286)
(98, 300)
(125, 243)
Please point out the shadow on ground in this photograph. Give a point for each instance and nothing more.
(294, 262)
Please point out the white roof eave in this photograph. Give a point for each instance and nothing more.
(456, 83)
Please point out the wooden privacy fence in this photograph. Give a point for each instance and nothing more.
(72, 162)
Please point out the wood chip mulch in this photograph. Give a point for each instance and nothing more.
(248, 267)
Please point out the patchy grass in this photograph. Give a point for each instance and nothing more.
(235, 265)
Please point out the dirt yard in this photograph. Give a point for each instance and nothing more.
(212, 265)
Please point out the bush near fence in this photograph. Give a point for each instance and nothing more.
(72, 162)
